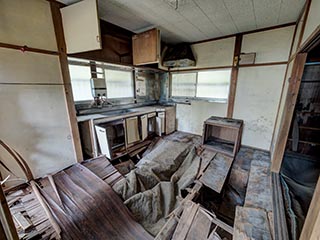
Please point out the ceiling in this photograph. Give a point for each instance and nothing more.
(196, 20)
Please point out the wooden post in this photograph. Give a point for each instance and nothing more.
(311, 229)
(234, 75)
(58, 28)
(7, 229)
(290, 102)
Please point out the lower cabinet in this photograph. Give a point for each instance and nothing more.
(111, 138)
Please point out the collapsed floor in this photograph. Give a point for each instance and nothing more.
(174, 181)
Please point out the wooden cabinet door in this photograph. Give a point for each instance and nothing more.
(146, 47)
(132, 131)
(170, 120)
(144, 126)
(81, 26)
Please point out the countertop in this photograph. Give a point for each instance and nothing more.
(101, 118)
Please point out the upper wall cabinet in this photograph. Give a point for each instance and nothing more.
(81, 26)
(146, 47)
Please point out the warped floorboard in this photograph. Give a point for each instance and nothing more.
(86, 207)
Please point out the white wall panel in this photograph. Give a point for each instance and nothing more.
(190, 118)
(270, 46)
(27, 22)
(313, 20)
(28, 67)
(257, 97)
(34, 121)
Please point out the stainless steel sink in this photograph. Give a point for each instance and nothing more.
(118, 112)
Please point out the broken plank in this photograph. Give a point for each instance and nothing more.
(189, 212)
(200, 227)
(206, 156)
(22, 221)
(216, 173)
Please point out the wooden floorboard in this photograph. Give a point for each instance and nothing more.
(216, 173)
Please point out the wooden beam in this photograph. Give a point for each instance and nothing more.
(58, 28)
(7, 228)
(234, 75)
(290, 102)
(311, 228)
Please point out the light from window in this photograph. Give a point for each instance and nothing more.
(203, 84)
(119, 84)
(213, 84)
(184, 84)
(80, 82)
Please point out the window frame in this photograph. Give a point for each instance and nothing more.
(104, 66)
(195, 98)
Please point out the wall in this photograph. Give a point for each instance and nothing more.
(259, 87)
(190, 118)
(218, 53)
(34, 118)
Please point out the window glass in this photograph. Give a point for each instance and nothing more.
(119, 83)
(183, 84)
(213, 84)
(81, 82)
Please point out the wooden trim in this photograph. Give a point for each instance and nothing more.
(264, 64)
(198, 69)
(58, 28)
(306, 9)
(290, 102)
(234, 76)
(310, 228)
(6, 219)
(311, 42)
(247, 32)
(27, 49)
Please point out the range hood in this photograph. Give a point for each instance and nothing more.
(179, 55)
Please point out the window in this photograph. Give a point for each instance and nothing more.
(119, 83)
(184, 84)
(81, 82)
(213, 84)
(203, 84)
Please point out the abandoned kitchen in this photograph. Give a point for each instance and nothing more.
(160, 119)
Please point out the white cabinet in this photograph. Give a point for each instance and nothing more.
(103, 141)
(81, 26)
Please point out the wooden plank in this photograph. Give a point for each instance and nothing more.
(206, 156)
(311, 228)
(251, 223)
(200, 227)
(234, 75)
(216, 173)
(289, 105)
(95, 211)
(23, 222)
(189, 212)
(75, 136)
(7, 225)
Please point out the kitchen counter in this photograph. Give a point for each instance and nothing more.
(121, 113)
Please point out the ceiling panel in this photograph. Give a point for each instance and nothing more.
(196, 20)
